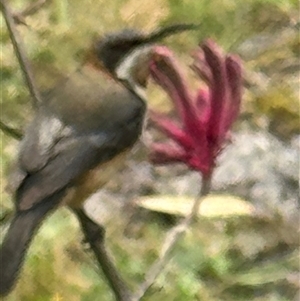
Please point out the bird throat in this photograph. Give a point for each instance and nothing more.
(134, 70)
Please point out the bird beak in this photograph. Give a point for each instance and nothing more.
(167, 31)
(147, 53)
(136, 64)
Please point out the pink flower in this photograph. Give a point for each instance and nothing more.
(205, 119)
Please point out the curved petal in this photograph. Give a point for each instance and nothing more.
(218, 90)
(204, 167)
(234, 74)
(162, 153)
(167, 126)
(200, 66)
(167, 73)
(203, 106)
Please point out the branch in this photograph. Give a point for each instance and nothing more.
(20, 53)
(19, 17)
(170, 242)
(12, 132)
(94, 235)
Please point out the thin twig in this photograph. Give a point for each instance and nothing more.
(32, 8)
(94, 235)
(20, 53)
(12, 132)
(170, 242)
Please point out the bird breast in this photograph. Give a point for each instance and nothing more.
(93, 180)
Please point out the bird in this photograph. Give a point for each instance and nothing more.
(79, 137)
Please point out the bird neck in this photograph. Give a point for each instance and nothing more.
(134, 71)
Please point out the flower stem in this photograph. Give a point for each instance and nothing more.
(171, 240)
(205, 189)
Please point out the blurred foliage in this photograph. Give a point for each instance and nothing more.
(210, 263)
(237, 259)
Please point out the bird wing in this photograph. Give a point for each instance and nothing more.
(83, 123)
(70, 158)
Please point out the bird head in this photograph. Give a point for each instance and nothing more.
(126, 54)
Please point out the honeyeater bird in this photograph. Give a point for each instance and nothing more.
(79, 137)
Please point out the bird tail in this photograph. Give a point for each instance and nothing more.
(18, 238)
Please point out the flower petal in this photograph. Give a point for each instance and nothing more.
(234, 74)
(162, 153)
(218, 89)
(167, 126)
(167, 73)
(206, 120)
(198, 164)
(200, 66)
(203, 106)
